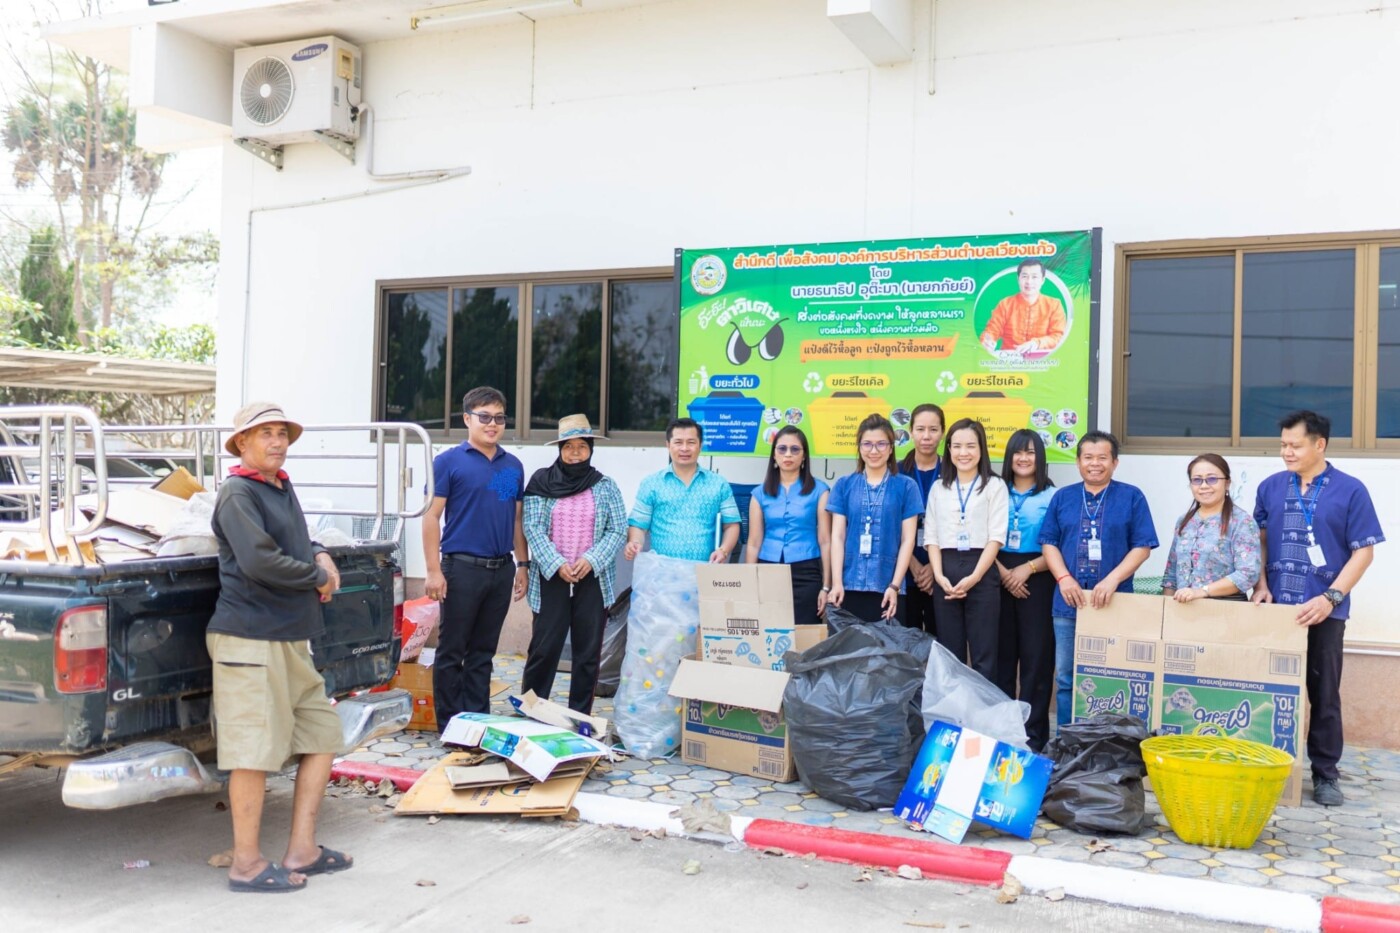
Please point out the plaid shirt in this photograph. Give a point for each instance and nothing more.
(609, 534)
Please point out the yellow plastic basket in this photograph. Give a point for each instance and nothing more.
(1216, 791)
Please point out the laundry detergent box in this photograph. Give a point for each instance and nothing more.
(961, 776)
(1118, 658)
(746, 614)
(732, 719)
(1236, 669)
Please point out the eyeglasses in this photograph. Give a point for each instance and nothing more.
(786, 449)
(485, 417)
(875, 446)
(1205, 480)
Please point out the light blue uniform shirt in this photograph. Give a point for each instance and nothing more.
(681, 518)
(882, 511)
(1026, 511)
(790, 522)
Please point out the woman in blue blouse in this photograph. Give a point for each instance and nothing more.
(874, 513)
(1026, 641)
(789, 524)
(1215, 552)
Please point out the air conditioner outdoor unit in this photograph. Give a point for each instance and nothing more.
(296, 92)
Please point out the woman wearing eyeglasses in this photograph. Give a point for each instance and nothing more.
(1215, 552)
(874, 517)
(789, 524)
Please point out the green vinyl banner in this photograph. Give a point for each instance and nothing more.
(820, 335)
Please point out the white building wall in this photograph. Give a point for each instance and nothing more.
(608, 139)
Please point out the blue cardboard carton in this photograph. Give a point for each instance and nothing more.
(731, 421)
(961, 776)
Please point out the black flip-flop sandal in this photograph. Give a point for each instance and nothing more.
(274, 879)
(328, 862)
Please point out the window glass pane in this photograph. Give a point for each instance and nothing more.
(485, 334)
(1299, 311)
(566, 348)
(642, 350)
(1180, 327)
(415, 357)
(1388, 358)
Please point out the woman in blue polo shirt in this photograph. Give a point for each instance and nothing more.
(1026, 640)
(874, 514)
(789, 524)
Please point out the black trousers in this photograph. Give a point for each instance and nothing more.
(806, 584)
(1026, 647)
(472, 615)
(865, 605)
(918, 607)
(969, 627)
(580, 618)
(1325, 696)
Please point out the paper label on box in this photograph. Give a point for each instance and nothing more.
(1100, 689)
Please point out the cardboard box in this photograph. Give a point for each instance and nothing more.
(1236, 669)
(418, 681)
(746, 614)
(961, 776)
(179, 483)
(536, 747)
(1118, 658)
(432, 793)
(732, 719)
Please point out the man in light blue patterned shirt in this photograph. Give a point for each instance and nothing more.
(678, 505)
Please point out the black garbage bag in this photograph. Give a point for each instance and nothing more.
(889, 631)
(1096, 786)
(614, 646)
(853, 723)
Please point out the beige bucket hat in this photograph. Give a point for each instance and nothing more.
(572, 426)
(257, 413)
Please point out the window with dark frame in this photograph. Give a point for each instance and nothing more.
(597, 343)
(1219, 339)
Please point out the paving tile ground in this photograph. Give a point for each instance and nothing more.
(1345, 851)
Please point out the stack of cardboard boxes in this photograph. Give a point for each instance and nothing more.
(731, 696)
(1208, 667)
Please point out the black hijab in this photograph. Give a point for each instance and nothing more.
(564, 479)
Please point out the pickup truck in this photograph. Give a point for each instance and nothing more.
(103, 669)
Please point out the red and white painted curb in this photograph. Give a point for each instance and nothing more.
(1212, 900)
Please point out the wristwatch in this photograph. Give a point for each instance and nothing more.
(522, 565)
(1335, 597)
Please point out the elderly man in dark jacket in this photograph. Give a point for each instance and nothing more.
(269, 700)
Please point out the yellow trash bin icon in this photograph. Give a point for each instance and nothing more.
(836, 418)
(1000, 416)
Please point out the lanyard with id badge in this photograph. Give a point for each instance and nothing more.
(1308, 506)
(1013, 536)
(872, 504)
(964, 540)
(1094, 546)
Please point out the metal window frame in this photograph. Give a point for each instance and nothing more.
(1365, 337)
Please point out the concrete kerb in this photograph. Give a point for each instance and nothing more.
(1212, 900)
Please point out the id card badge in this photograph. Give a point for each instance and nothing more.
(1315, 555)
(964, 541)
(867, 543)
(1013, 539)
(1095, 549)
(919, 537)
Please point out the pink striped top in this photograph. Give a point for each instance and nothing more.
(571, 529)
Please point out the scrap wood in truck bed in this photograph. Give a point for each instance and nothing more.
(144, 509)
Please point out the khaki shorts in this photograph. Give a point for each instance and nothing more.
(269, 703)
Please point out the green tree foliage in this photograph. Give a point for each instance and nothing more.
(46, 282)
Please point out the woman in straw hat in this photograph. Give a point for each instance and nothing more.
(575, 523)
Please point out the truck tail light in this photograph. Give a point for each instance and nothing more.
(398, 606)
(80, 650)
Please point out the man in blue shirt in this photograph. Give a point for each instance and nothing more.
(1095, 536)
(678, 505)
(1318, 531)
(479, 489)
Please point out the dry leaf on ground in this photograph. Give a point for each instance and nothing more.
(519, 919)
(223, 860)
(863, 875)
(691, 867)
(1055, 894)
(909, 872)
(425, 883)
(1097, 845)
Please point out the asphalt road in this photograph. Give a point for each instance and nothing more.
(62, 869)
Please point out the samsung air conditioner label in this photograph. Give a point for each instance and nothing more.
(309, 52)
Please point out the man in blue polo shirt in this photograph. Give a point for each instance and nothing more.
(1095, 536)
(1318, 531)
(479, 488)
(679, 504)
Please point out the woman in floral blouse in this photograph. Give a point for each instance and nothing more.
(1215, 552)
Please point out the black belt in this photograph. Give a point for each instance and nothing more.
(490, 563)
